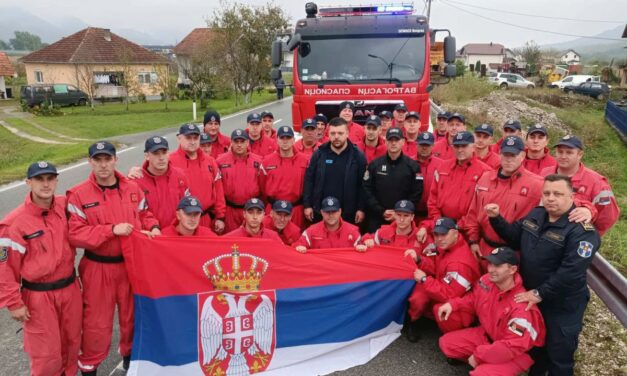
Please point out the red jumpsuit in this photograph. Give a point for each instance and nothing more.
(289, 234)
(387, 235)
(496, 147)
(356, 133)
(410, 149)
(453, 188)
(205, 183)
(264, 233)
(427, 170)
(438, 136)
(298, 145)
(515, 196)
(537, 165)
(373, 152)
(200, 231)
(451, 274)
(492, 159)
(317, 236)
(593, 187)
(164, 192)
(284, 179)
(34, 247)
(443, 150)
(241, 178)
(220, 146)
(93, 214)
(506, 333)
(263, 146)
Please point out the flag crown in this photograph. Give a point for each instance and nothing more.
(235, 279)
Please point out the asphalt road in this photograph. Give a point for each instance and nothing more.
(401, 358)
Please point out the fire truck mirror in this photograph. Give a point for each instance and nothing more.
(450, 70)
(294, 42)
(277, 53)
(449, 50)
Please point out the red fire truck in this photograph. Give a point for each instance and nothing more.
(376, 56)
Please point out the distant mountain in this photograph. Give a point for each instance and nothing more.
(596, 49)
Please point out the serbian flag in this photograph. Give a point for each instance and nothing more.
(235, 307)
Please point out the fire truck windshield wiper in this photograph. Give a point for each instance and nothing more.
(330, 81)
(390, 80)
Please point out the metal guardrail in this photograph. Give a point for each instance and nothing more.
(610, 285)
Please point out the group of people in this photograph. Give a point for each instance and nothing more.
(455, 201)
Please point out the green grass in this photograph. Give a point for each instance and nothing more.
(461, 89)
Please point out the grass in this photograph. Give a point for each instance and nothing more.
(461, 89)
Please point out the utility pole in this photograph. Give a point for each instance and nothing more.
(429, 11)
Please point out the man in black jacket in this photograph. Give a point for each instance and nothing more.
(389, 179)
(336, 169)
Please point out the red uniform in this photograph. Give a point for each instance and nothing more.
(492, 159)
(200, 231)
(410, 149)
(264, 233)
(453, 188)
(427, 170)
(373, 152)
(387, 235)
(356, 133)
(284, 179)
(300, 147)
(593, 187)
(241, 178)
(507, 332)
(496, 147)
(515, 196)
(288, 235)
(205, 183)
(272, 134)
(220, 146)
(34, 248)
(537, 165)
(443, 150)
(451, 274)
(263, 146)
(317, 236)
(164, 192)
(438, 136)
(93, 213)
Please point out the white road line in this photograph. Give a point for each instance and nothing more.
(278, 121)
(119, 366)
(19, 184)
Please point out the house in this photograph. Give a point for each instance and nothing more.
(486, 53)
(6, 70)
(196, 41)
(570, 57)
(98, 62)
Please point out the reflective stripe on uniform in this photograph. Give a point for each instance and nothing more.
(376, 237)
(459, 279)
(525, 324)
(598, 199)
(74, 210)
(6, 242)
(307, 238)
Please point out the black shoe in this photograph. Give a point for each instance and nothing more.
(126, 362)
(454, 362)
(413, 332)
(88, 373)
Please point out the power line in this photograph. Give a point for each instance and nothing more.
(533, 15)
(527, 27)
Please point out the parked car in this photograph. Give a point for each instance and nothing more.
(574, 80)
(598, 90)
(507, 80)
(61, 94)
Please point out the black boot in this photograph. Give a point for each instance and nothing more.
(88, 373)
(126, 362)
(454, 362)
(413, 332)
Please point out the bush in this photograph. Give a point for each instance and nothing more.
(461, 89)
(141, 98)
(47, 108)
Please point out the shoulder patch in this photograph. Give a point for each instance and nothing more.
(585, 249)
(588, 226)
(4, 254)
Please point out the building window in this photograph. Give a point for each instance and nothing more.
(147, 78)
(39, 77)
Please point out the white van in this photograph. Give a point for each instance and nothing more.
(575, 80)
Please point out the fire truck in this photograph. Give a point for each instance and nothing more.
(377, 56)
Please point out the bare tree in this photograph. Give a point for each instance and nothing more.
(203, 71)
(129, 79)
(532, 54)
(87, 81)
(165, 83)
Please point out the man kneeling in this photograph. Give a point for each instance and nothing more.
(507, 329)
(187, 223)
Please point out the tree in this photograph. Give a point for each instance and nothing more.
(532, 54)
(166, 83)
(129, 79)
(201, 71)
(26, 41)
(4, 45)
(460, 68)
(242, 46)
(478, 67)
(87, 81)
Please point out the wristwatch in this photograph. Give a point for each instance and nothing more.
(536, 293)
(423, 279)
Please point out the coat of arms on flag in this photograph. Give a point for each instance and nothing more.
(236, 326)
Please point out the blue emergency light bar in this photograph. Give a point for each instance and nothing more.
(364, 10)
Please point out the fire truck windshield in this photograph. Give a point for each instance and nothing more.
(344, 60)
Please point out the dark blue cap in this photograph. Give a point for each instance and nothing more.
(485, 128)
(285, 131)
(400, 107)
(309, 123)
(102, 147)
(321, 117)
(412, 114)
(253, 118)
(190, 204)
(254, 203)
(239, 134)
(386, 114)
(347, 104)
(155, 143)
(330, 204)
(537, 128)
(211, 116)
(405, 206)
(502, 255)
(443, 225)
(458, 116)
(571, 142)
(464, 138)
(41, 168)
(512, 124)
(206, 139)
(442, 115)
(373, 120)
(512, 144)
(282, 206)
(394, 133)
(425, 138)
(266, 113)
(189, 128)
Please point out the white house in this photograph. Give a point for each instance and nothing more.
(6, 70)
(486, 53)
(570, 57)
(197, 40)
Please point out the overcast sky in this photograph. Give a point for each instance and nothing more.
(171, 20)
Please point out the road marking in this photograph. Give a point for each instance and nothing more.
(278, 121)
(119, 366)
(19, 184)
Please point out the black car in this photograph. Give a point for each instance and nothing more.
(60, 94)
(598, 90)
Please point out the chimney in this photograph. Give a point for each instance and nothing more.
(107, 35)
